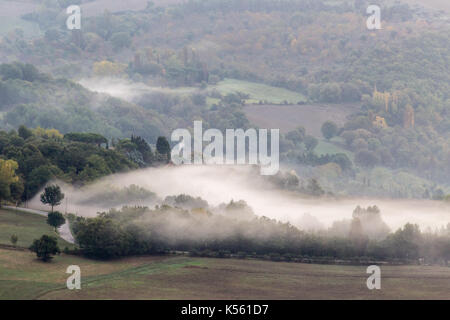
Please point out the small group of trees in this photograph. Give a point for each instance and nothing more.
(30, 158)
(47, 246)
(53, 196)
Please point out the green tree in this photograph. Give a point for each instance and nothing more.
(52, 196)
(163, 147)
(120, 40)
(101, 238)
(16, 189)
(310, 143)
(7, 178)
(55, 219)
(39, 177)
(367, 159)
(314, 188)
(24, 132)
(14, 238)
(329, 130)
(45, 247)
(11, 71)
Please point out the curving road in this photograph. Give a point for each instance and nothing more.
(64, 230)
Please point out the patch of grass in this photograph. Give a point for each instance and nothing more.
(212, 101)
(181, 277)
(332, 147)
(259, 92)
(27, 226)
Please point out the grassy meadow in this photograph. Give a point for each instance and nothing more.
(179, 277)
(259, 92)
(27, 226)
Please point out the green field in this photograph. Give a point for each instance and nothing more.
(179, 277)
(259, 92)
(27, 226)
(332, 147)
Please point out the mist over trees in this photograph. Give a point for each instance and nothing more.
(231, 233)
(394, 143)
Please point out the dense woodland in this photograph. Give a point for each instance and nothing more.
(30, 158)
(398, 75)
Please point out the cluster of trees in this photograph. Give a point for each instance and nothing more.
(181, 69)
(139, 230)
(333, 92)
(74, 110)
(68, 107)
(30, 158)
(47, 246)
(298, 147)
(322, 49)
(422, 150)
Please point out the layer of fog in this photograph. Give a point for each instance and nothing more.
(126, 89)
(222, 184)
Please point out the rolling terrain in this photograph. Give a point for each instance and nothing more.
(182, 277)
(27, 226)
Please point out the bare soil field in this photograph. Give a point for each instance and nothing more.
(432, 4)
(99, 6)
(289, 117)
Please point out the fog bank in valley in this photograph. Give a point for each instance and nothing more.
(126, 89)
(222, 184)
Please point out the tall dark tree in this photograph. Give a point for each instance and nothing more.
(310, 143)
(52, 196)
(329, 129)
(24, 132)
(163, 147)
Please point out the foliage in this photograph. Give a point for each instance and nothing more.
(138, 230)
(14, 239)
(163, 147)
(52, 196)
(45, 248)
(7, 178)
(329, 130)
(55, 219)
(33, 162)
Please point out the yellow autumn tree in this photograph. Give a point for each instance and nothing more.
(7, 177)
(47, 133)
(108, 69)
(408, 117)
(380, 122)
